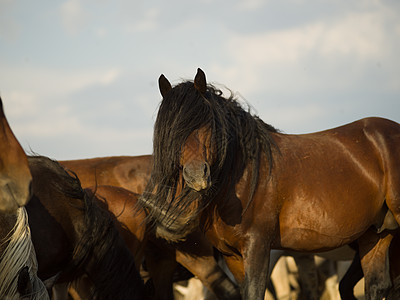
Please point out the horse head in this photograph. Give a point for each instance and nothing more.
(196, 152)
(202, 143)
(15, 176)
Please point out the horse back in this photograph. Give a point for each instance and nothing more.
(129, 172)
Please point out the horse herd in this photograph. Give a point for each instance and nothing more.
(221, 188)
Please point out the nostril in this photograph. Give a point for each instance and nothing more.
(205, 169)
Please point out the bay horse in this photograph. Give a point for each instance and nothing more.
(18, 264)
(73, 235)
(196, 254)
(133, 173)
(252, 188)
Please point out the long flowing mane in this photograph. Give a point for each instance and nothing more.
(100, 249)
(19, 253)
(238, 137)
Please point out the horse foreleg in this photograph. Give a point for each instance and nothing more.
(197, 254)
(206, 269)
(256, 264)
(161, 265)
(374, 254)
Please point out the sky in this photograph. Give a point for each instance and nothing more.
(79, 78)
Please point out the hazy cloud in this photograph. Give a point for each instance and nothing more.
(9, 27)
(73, 16)
(147, 22)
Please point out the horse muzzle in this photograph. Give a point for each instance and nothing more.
(197, 176)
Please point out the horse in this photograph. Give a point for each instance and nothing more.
(73, 235)
(195, 254)
(18, 264)
(15, 178)
(132, 173)
(251, 188)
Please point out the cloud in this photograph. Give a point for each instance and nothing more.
(149, 21)
(295, 118)
(73, 16)
(109, 76)
(357, 35)
(343, 45)
(10, 29)
(56, 122)
(250, 5)
(65, 137)
(48, 82)
(44, 108)
(18, 103)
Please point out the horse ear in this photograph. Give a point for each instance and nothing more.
(200, 82)
(164, 85)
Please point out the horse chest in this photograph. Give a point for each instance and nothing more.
(227, 238)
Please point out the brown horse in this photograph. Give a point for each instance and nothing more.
(18, 265)
(73, 235)
(15, 178)
(255, 188)
(195, 254)
(133, 173)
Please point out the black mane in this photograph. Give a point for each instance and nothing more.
(100, 251)
(240, 138)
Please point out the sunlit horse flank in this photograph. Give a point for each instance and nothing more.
(18, 264)
(311, 192)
